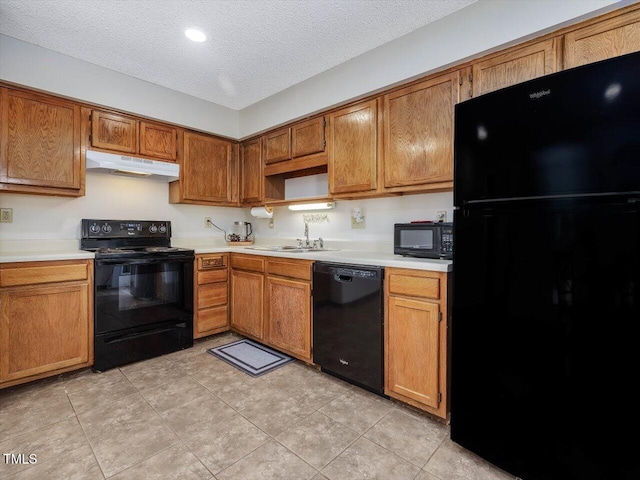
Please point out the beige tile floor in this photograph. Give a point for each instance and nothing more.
(188, 415)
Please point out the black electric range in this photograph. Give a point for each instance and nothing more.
(143, 302)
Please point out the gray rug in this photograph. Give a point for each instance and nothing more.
(250, 357)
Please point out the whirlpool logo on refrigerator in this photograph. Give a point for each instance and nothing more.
(540, 94)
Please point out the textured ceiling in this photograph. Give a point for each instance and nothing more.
(255, 48)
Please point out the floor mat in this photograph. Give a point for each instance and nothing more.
(250, 357)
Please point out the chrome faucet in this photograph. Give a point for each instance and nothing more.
(306, 235)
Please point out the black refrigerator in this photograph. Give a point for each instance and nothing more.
(546, 289)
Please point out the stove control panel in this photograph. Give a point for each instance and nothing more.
(125, 229)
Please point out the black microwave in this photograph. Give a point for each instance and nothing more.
(425, 240)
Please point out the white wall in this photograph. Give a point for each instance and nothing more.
(480, 28)
(39, 217)
(33, 66)
(380, 215)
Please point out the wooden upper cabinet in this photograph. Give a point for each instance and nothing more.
(251, 171)
(307, 137)
(602, 40)
(418, 133)
(277, 146)
(206, 169)
(516, 66)
(114, 132)
(353, 152)
(40, 144)
(159, 141)
(125, 134)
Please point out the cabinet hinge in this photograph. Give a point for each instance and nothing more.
(439, 397)
(90, 116)
(324, 122)
(324, 144)
(90, 138)
(439, 316)
(471, 76)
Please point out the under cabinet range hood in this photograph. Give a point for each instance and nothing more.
(132, 166)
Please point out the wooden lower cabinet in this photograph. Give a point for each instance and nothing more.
(46, 327)
(288, 318)
(247, 306)
(271, 302)
(416, 327)
(211, 293)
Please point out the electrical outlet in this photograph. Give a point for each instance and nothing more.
(207, 222)
(357, 219)
(6, 215)
(441, 216)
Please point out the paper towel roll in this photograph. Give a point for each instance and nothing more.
(262, 212)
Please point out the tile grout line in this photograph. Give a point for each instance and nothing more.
(84, 432)
(432, 455)
(396, 408)
(180, 440)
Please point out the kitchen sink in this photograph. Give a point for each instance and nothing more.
(291, 248)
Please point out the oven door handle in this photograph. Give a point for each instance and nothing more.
(130, 336)
(145, 261)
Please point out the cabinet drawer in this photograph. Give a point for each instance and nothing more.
(246, 262)
(212, 318)
(414, 285)
(37, 274)
(212, 276)
(212, 261)
(212, 295)
(293, 269)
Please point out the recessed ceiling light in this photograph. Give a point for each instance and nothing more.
(195, 35)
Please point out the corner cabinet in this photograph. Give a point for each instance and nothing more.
(41, 146)
(46, 319)
(416, 338)
(418, 135)
(251, 177)
(208, 174)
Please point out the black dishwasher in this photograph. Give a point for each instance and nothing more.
(348, 319)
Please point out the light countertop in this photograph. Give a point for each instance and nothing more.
(349, 256)
(353, 257)
(44, 255)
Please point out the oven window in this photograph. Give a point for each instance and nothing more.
(141, 294)
(422, 239)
